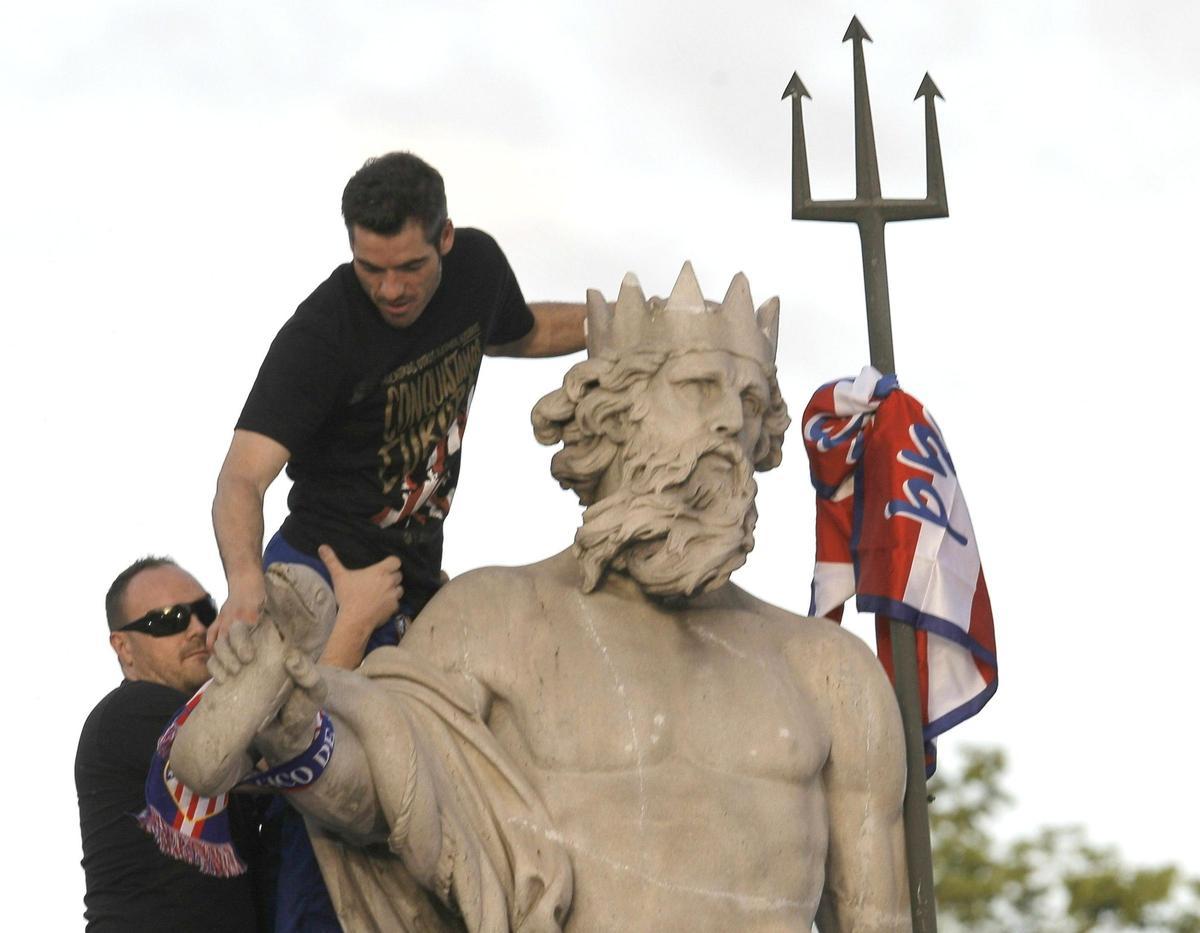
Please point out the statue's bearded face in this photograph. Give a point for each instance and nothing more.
(680, 516)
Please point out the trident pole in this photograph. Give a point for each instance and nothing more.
(871, 212)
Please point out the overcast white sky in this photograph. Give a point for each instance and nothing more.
(170, 180)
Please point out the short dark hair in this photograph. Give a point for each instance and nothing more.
(116, 592)
(392, 189)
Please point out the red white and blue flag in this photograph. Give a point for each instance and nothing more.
(893, 530)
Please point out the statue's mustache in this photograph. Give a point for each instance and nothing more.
(656, 465)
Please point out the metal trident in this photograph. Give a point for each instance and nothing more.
(868, 209)
(871, 211)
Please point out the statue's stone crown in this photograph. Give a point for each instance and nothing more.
(684, 321)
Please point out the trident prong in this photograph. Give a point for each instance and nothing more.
(869, 209)
(935, 180)
(866, 164)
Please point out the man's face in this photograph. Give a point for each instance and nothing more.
(705, 393)
(174, 660)
(401, 272)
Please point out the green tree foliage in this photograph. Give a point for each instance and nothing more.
(1054, 881)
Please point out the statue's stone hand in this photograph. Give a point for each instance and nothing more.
(291, 732)
(252, 702)
(230, 655)
(306, 676)
(250, 684)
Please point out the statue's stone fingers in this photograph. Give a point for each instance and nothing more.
(306, 676)
(217, 669)
(241, 643)
(224, 656)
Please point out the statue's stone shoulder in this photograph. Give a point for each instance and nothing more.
(479, 621)
(822, 654)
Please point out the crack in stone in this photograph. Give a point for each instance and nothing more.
(586, 616)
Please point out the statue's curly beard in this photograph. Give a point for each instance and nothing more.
(681, 522)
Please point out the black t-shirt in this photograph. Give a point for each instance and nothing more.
(373, 416)
(131, 885)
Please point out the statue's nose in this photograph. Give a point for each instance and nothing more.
(727, 418)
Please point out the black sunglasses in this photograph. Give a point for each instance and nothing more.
(158, 623)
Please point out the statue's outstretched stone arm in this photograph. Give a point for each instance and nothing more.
(413, 766)
(263, 702)
(378, 786)
(251, 703)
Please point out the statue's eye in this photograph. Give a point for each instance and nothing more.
(698, 389)
(752, 405)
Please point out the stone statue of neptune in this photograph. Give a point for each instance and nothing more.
(617, 737)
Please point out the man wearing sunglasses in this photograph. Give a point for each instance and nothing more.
(158, 615)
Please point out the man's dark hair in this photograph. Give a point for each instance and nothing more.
(116, 592)
(392, 189)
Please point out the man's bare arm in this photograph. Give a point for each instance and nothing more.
(557, 331)
(251, 465)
